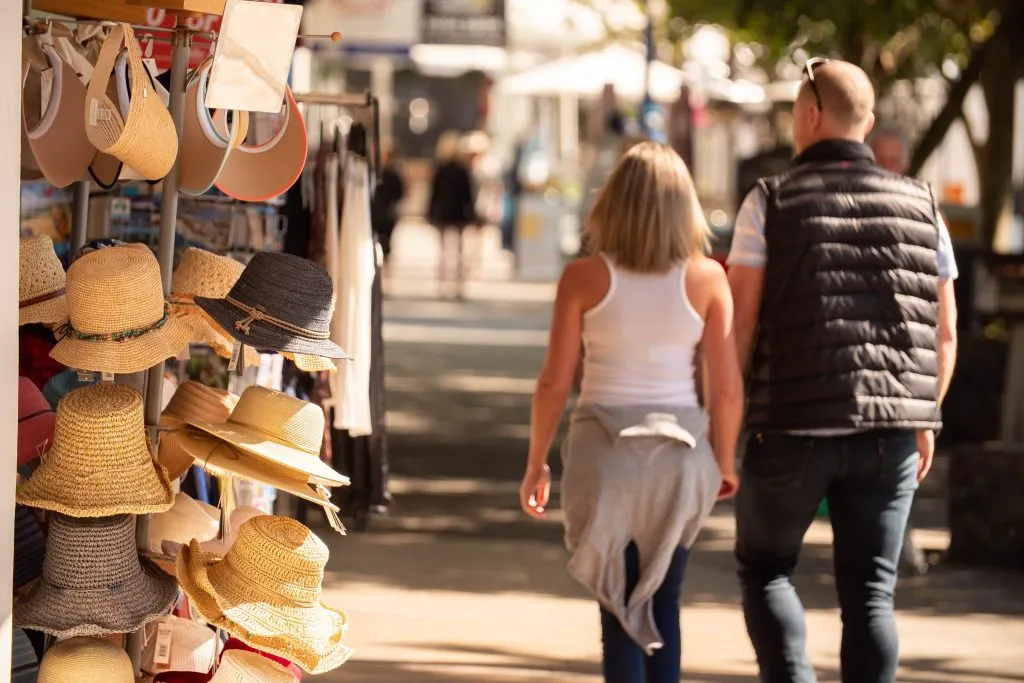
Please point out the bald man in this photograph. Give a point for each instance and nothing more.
(841, 273)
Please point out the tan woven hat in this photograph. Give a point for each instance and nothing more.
(205, 274)
(192, 400)
(266, 591)
(118, 320)
(241, 666)
(85, 660)
(41, 285)
(100, 463)
(94, 581)
(145, 139)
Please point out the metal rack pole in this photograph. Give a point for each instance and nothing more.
(80, 217)
(181, 47)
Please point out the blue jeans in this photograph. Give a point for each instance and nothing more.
(869, 480)
(624, 660)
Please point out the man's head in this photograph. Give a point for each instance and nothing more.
(836, 102)
(890, 150)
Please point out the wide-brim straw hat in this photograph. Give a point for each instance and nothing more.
(278, 428)
(145, 139)
(266, 591)
(41, 285)
(280, 303)
(94, 581)
(101, 463)
(192, 400)
(118, 320)
(85, 660)
(187, 519)
(35, 422)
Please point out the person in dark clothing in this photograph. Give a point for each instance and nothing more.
(842, 278)
(386, 198)
(452, 205)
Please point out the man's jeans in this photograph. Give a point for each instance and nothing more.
(869, 480)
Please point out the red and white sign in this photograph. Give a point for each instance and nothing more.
(161, 49)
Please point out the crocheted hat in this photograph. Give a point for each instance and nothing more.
(266, 591)
(100, 463)
(118, 319)
(280, 303)
(94, 581)
(42, 282)
(85, 660)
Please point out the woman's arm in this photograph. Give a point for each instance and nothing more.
(553, 387)
(723, 379)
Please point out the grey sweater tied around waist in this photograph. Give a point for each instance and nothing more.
(644, 474)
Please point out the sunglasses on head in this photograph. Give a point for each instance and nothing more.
(809, 68)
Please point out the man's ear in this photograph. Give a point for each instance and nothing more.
(869, 125)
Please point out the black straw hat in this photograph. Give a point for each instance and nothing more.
(280, 303)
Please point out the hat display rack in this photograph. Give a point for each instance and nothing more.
(265, 429)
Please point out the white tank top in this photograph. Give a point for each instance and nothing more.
(639, 341)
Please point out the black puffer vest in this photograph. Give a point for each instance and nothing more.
(849, 315)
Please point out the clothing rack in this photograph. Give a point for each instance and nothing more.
(363, 100)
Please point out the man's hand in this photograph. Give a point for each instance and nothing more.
(535, 491)
(926, 449)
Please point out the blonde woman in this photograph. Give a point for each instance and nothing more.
(452, 205)
(639, 473)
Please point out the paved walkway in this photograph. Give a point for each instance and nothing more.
(457, 586)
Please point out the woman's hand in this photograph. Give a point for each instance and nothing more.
(535, 491)
(730, 485)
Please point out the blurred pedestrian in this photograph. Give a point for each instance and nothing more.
(386, 198)
(842, 275)
(890, 150)
(640, 473)
(452, 207)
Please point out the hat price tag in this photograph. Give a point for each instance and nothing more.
(236, 355)
(107, 378)
(162, 653)
(86, 377)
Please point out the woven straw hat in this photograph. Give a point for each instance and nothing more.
(94, 581)
(282, 429)
(193, 647)
(187, 519)
(192, 400)
(146, 139)
(118, 319)
(280, 303)
(42, 281)
(85, 660)
(35, 422)
(100, 463)
(240, 666)
(266, 591)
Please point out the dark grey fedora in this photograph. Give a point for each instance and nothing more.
(280, 303)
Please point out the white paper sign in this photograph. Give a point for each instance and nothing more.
(253, 56)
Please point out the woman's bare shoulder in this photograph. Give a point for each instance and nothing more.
(705, 281)
(588, 279)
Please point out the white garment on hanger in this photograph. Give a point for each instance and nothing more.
(351, 327)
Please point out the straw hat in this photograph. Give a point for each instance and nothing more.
(193, 647)
(35, 422)
(280, 303)
(239, 516)
(205, 274)
(94, 581)
(279, 428)
(192, 400)
(187, 519)
(118, 319)
(101, 463)
(261, 172)
(41, 285)
(85, 660)
(145, 139)
(266, 592)
(205, 149)
(236, 666)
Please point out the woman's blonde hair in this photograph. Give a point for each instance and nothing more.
(447, 146)
(647, 217)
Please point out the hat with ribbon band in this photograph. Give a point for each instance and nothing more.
(117, 318)
(266, 591)
(280, 303)
(94, 581)
(100, 463)
(41, 283)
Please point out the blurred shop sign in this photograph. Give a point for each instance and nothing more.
(372, 27)
(464, 22)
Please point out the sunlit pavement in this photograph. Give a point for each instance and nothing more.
(458, 586)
